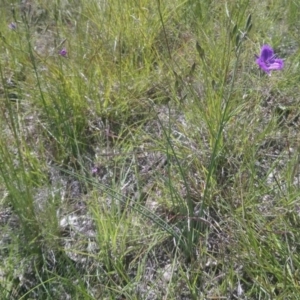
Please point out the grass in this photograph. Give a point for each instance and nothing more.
(154, 160)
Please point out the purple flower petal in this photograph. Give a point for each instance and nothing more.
(266, 52)
(276, 64)
(12, 26)
(95, 170)
(63, 52)
(267, 60)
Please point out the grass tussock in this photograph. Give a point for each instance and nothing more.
(144, 155)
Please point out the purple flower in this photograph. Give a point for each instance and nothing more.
(267, 61)
(95, 170)
(63, 52)
(12, 26)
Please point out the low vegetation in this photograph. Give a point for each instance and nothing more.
(143, 152)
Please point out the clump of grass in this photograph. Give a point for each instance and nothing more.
(151, 159)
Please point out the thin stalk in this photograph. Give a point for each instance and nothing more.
(223, 122)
